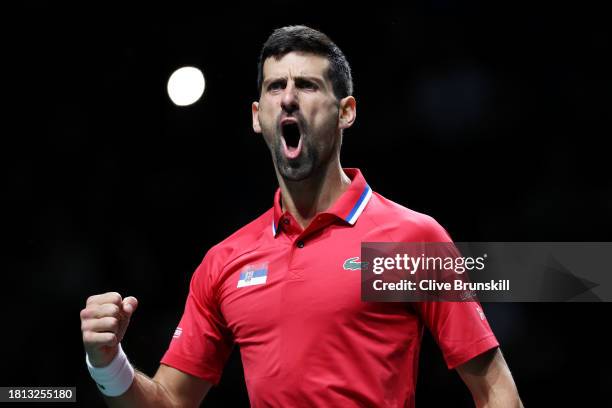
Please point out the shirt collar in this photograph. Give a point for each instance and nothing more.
(348, 207)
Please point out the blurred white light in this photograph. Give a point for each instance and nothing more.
(186, 86)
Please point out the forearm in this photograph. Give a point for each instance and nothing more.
(144, 392)
(490, 381)
(103, 323)
(499, 390)
(500, 396)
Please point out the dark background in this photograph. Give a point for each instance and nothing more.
(492, 119)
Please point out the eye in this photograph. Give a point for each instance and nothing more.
(309, 85)
(276, 85)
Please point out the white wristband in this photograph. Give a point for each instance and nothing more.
(115, 378)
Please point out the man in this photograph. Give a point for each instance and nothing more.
(277, 287)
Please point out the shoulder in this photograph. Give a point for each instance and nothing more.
(402, 223)
(246, 239)
(210, 273)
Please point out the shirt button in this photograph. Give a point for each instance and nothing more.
(300, 244)
(286, 221)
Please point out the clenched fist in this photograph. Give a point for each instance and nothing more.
(103, 323)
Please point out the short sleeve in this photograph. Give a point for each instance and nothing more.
(460, 329)
(202, 342)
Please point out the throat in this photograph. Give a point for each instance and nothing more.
(306, 198)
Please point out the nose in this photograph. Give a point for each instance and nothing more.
(289, 101)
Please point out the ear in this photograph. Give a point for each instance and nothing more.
(347, 112)
(255, 112)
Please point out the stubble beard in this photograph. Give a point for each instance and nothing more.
(309, 162)
(300, 168)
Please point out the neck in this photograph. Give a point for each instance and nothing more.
(305, 198)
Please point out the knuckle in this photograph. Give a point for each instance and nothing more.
(113, 323)
(114, 297)
(113, 310)
(99, 311)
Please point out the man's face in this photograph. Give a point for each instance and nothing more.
(298, 114)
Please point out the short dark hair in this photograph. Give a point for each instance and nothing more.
(305, 39)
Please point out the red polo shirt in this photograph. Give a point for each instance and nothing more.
(306, 339)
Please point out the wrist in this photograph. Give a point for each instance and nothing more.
(100, 359)
(115, 378)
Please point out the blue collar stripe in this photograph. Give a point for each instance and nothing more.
(359, 206)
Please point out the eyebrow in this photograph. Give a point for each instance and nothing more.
(316, 79)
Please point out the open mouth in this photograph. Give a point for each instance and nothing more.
(291, 139)
(291, 133)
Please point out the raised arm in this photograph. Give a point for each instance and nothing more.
(104, 322)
